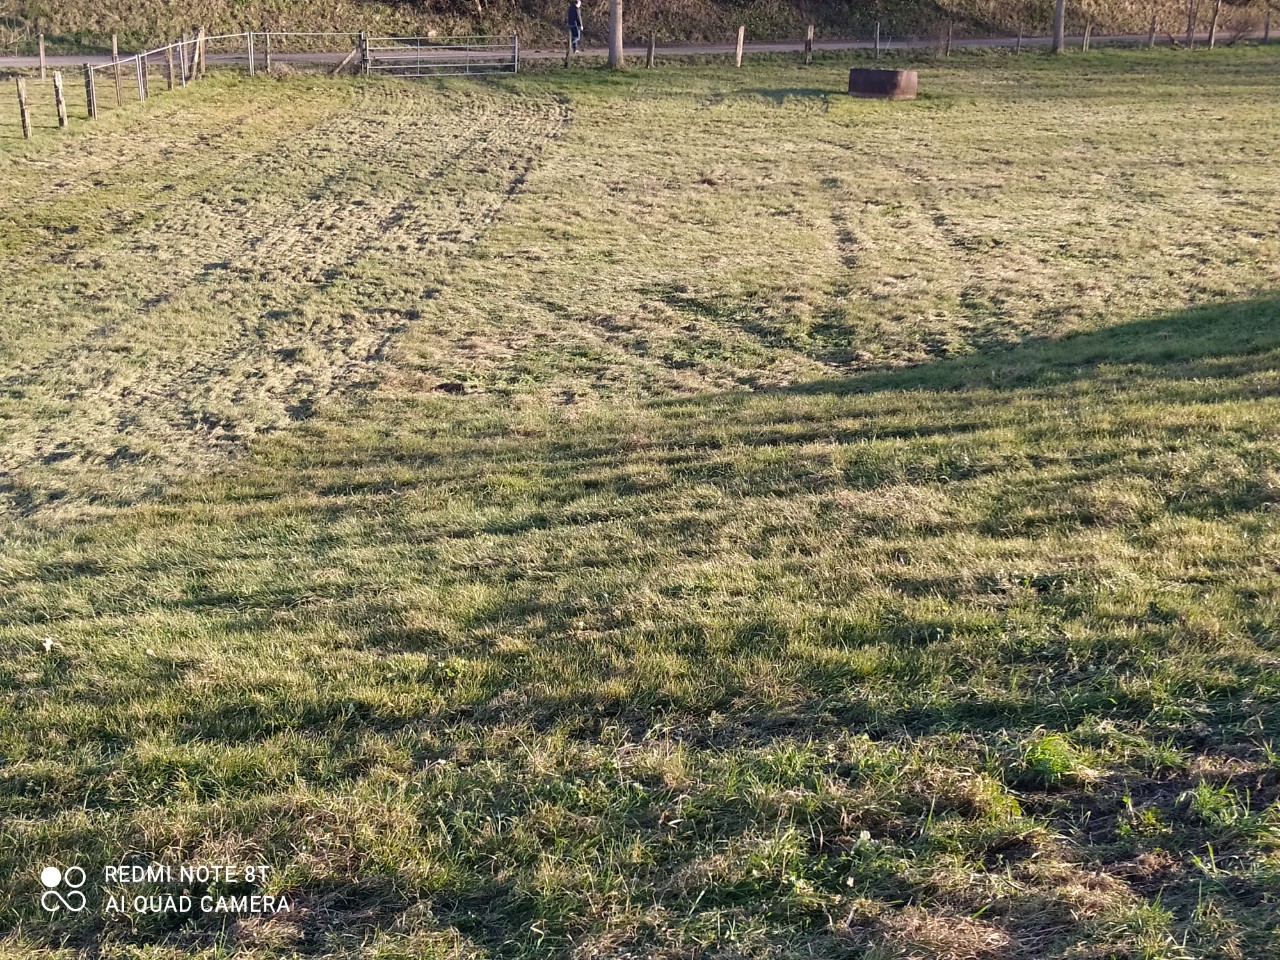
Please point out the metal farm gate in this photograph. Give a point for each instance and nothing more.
(440, 56)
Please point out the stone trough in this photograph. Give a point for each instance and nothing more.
(882, 84)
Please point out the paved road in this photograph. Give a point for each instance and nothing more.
(638, 52)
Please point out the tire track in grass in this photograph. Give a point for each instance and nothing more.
(291, 287)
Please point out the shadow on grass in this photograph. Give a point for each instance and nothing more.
(780, 95)
(1210, 342)
(552, 559)
(543, 559)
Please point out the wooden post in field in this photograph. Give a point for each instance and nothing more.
(249, 45)
(115, 59)
(142, 80)
(353, 55)
(742, 35)
(1088, 29)
(877, 39)
(197, 54)
(1018, 46)
(653, 52)
(90, 92)
(266, 51)
(1213, 23)
(363, 43)
(946, 50)
(808, 45)
(201, 52)
(60, 98)
(1151, 35)
(23, 109)
(41, 41)
(168, 66)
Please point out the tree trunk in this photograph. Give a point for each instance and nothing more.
(1213, 24)
(616, 59)
(1060, 26)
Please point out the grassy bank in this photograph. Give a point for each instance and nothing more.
(686, 513)
(85, 23)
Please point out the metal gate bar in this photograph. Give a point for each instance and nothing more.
(441, 56)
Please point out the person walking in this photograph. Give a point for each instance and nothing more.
(575, 23)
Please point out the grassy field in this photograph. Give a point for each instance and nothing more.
(686, 514)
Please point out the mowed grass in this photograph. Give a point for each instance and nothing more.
(681, 514)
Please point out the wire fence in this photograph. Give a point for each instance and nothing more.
(131, 77)
(134, 77)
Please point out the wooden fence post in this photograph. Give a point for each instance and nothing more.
(877, 39)
(364, 52)
(946, 50)
(742, 35)
(59, 98)
(194, 72)
(168, 66)
(90, 92)
(41, 41)
(1088, 29)
(1018, 46)
(653, 52)
(200, 52)
(115, 59)
(808, 45)
(266, 51)
(1151, 35)
(249, 44)
(22, 108)
(142, 82)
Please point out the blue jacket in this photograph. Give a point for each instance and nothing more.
(575, 15)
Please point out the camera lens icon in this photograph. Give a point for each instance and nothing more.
(55, 881)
